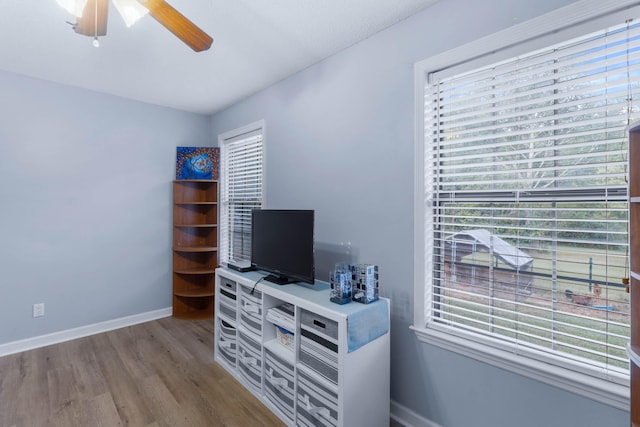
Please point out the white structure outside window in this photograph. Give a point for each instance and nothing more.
(521, 197)
(241, 190)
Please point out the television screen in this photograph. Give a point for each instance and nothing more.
(282, 244)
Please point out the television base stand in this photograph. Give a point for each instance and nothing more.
(279, 280)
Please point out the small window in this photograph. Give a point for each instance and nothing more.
(241, 189)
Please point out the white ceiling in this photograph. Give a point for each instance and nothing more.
(256, 43)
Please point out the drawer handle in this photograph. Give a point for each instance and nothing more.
(228, 294)
(248, 360)
(318, 412)
(319, 324)
(250, 308)
(278, 382)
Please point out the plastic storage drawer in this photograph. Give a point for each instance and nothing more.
(227, 342)
(227, 298)
(278, 384)
(250, 361)
(228, 290)
(228, 285)
(317, 404)
(319, 344)
(251, 310)
(319, 324)
(319, 354)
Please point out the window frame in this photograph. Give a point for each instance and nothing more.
(235, 135)
(567, 22)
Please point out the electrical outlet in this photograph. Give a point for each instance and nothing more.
(38, 309)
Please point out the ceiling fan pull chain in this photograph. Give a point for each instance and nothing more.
(96, 43)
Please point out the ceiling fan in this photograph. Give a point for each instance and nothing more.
(91, 19)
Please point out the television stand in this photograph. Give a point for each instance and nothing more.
(279, 280)
(310, 361)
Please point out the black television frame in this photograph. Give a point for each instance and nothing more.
(282, 244)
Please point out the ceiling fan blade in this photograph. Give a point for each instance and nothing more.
(93, 22)
(178, 24)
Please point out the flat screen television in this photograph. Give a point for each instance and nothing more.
(282, 244)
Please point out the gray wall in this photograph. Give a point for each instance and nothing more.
(85, 196)
(340, 141)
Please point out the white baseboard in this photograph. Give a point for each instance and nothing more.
(409, 418)
(82, 331)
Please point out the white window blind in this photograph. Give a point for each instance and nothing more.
(525, 179)
(241, 192)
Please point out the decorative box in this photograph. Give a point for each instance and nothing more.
(341, 287)
(365, 282)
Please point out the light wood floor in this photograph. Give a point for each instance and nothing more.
(159, 373)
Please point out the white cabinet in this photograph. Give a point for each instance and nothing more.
(312, 362)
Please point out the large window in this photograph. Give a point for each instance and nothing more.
(241, 171)
(525, 204)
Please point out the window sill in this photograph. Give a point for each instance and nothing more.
(597, 389)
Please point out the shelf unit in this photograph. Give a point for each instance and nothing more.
(320, 378)
(634, 266)
(195, 247)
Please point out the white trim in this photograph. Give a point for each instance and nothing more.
(242, 130)
(409, 418)
(543, 28)
(584, 385)
(82, 331)
(583, 16)
(418, 199)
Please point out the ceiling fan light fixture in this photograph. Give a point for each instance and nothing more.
(74, 7)
(94, 24)
(130, 10)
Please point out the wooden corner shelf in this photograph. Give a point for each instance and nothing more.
(194, 293)
(195, 248)
(201, 270)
